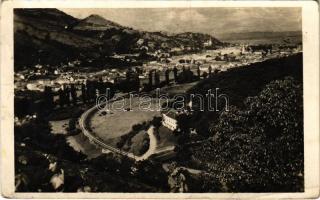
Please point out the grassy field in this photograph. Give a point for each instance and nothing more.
(118, 122)
(110, 126)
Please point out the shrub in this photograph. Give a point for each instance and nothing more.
(72, 124)
(145, 146)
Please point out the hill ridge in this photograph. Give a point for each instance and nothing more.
(61, 38)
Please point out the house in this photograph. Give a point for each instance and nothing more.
(57, 72)
(164, 55)
(140, 41)
(164, 45)
(169, 119)
(151, 45)
(176, 49)
(205, 67)
(258, 53)
(144, 48)
(188, 48)
(208, 43)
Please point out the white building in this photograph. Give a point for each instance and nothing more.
(208, 43)
(205, 67)
(169, 120)
(140, 41)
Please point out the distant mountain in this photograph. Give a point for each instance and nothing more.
(280, 37)
(45, 36)
(96, 22)
(48, 16)
(189, 38)
(49, 36)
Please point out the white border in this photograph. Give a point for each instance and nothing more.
(310, 25)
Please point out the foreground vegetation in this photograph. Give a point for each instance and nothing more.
(256, 146)
(46, 163)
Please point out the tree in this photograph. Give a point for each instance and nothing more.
(209, 183)
(183, 121)
(198, 72)
(131, 83)
(48, 96)
(67, 95)
(150, 78)
(72, 124)
(156, 122)
(84, 93)
(205, 75)
(111, 88)
(61, 97)
(156, 78)
(167, 73)
(186, 76)
(92, 86)
(210, 71)
(152, 173)
(73, 93)
(175, 73)
(260, 148)
(129, 74)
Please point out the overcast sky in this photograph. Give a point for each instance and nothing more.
(205, 20)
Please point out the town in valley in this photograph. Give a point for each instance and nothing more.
(65, 143)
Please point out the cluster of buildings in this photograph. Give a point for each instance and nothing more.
(222, 59)
(152, 47)
(233, 56)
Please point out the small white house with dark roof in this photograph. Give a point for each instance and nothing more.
(169, 119)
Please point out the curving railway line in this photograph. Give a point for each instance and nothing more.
(84, 125)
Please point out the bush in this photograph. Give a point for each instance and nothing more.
(72, 124)
(127, 137)
(145, 146)
(153, 174)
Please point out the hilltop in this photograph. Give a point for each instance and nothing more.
(46, 36)
(96, 22)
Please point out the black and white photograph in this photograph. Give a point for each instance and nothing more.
(159, 100)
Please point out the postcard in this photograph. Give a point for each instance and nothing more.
(159, 99)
